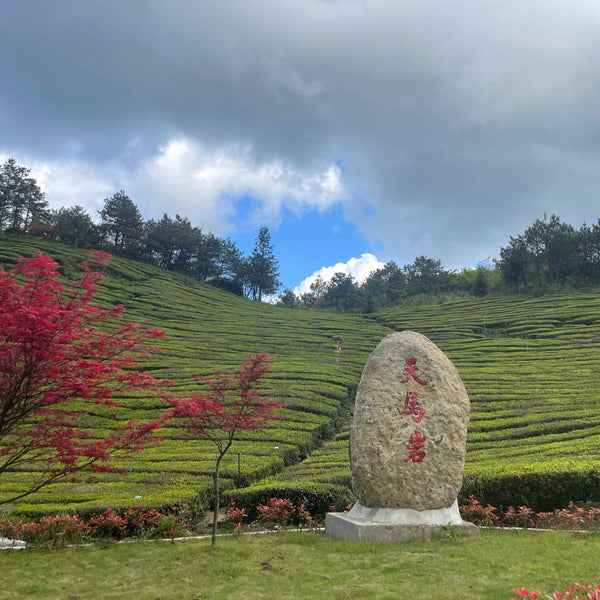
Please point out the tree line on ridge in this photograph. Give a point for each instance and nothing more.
(548, 256)
(171, 243)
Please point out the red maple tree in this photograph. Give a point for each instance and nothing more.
(56, 363)
(231, 403)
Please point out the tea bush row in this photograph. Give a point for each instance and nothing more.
(317, 498)
(541, 489)
(531, 364)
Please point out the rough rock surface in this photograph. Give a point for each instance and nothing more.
(408, 435)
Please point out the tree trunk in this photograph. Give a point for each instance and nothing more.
(216, 496)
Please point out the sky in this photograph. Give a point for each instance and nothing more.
(357, 131)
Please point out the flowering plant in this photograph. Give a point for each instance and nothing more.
(474, 512)
(235, 515)
(576, 591)
(277, 510)
(572, 517)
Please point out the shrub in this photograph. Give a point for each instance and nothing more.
(168, 526)
(316, 498)
(55, 530)
(572, 517)
(474, 512)
(577, 591)
(541, 490)
(140, 521)
(108, 525)
(519, 517)
(235, 514)
(11, 529)
(277, 510)
(283, 511)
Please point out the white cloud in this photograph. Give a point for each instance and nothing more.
(187, 178)
(458, 130)
(205, 184)
(359, 268)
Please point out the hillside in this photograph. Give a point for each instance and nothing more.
(531, 367)
(207, 328)
(532, 371)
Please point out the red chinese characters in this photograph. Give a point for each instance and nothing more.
(411, 408)
(415, 444)
(410, 370)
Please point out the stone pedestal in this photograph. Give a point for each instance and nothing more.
(407, 445)
(395, 525)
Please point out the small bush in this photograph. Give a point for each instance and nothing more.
(108, 525)
(577, 591)
(11, 529)
(55, 530)
(168, 526)
(235, 514)
(474, 512)
(277, 510)
(573, 517)
(316, 498)
(140, 521)
(519, 517)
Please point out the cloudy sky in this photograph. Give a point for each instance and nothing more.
(357, 131)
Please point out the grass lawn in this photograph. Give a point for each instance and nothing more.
(290, 565)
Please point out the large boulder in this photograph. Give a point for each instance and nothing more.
(408, 435)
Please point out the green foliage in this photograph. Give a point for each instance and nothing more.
(542, 489)
(22, 203)
(317, 498)
(122, 225)
(207, 328)
(530, 366)
(263, 268)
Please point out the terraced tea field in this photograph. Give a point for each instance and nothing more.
(531, 367)
(207, 329)
(532, 370)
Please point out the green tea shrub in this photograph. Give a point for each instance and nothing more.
(541, 490)
(317, 498)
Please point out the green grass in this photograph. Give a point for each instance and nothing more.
(286, 566)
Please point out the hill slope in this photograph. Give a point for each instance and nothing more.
(532, 371)
(531, 367)
(207, 328)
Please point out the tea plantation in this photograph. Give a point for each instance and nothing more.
(207, 328)
(532, 370)
(531, 367)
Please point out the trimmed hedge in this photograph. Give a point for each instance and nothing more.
(542, 491)
(317, 498)
(196, 507)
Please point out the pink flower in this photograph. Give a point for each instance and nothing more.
(525, 593)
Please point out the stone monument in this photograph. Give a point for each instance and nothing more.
(407, 444)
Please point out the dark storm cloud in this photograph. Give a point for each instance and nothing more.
(458, 122)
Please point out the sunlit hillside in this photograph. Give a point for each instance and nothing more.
(206, 329)
(531, 367)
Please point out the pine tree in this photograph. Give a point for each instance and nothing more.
(122, 225)
(263, 268)
(21, 199)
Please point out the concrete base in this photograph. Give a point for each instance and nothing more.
(395, 525)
